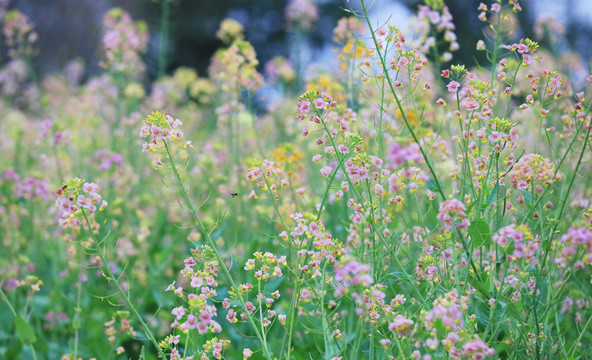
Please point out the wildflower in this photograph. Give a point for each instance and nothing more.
(301, 14)
(230, 31)
(401, 326)
(124, 42)
(174, 339)
(159, 126)
(325, 171)
(532, 168)
(247, 353)
(77, 199)
(452, 207)
(453, 86)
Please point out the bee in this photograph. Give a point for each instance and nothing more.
(62, 189)
(234, 194)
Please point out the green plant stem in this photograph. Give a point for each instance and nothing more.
(110, 277)
(76, 321)
(261, 313)
(5, 298)
(165, 6)
(392, 88)
(193, 211)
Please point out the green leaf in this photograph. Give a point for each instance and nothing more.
(401, 276)
(24, 331)
(480, 233)
(433, 185)
(492, 196)
(527, 198)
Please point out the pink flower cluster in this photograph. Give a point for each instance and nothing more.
(576, 239)
(200, 273)
(371, 306)
(399, 155)
(31, 188)
(76, 198)
(350, 273)
(410, 177)
(301, 14)
(268, 265)
(521, 240)
(58, 137)
(159, 127)
(449, 211)
(19, 34)
(401, 326)
(525, 48)
(346, 27)
(532, 170)
(321, 103)
(124, 42)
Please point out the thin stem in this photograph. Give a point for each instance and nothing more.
(76, 322)
(5, 298)
(211, 243)
(164, 35)
(403, 114)
(107, 270)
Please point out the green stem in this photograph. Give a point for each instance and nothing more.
(392, 88)
(5, 298)
(107, 270)
(165, 6)
(193, 211)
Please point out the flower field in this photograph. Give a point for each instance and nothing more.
(397, 205)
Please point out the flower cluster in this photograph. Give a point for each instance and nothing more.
(236, 66)
(267, 262)
(266, 266)
(268, 176)
(401, 325)
(532, 170)
(19, 33)
(577, 238)
(409, 177)
(526, 49)
(518, 243)
(230, 30)
(447, 327)
(346, 27)
(349, 272)
(323, 104)
(31, 188)
(124, 42)
(160, 127)
(76, 200)
(434, 20)
(280, 68)
(301, 14)
(200, 275)
(449, 211)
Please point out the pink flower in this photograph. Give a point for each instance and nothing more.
(305, 293)
(401, 326)
(325, 171)
(178, 312)
(453, 86)
(174, 339)
(320, 103)
(247, 353)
